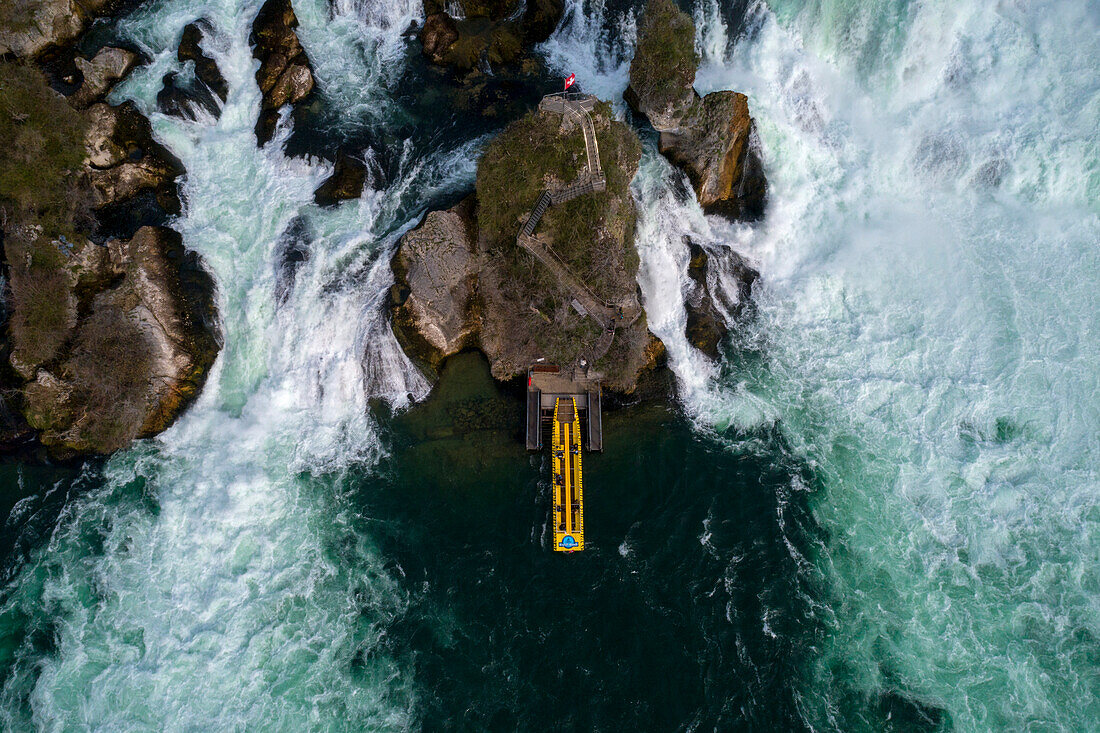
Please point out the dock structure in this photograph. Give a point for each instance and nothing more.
(545, 384)
(563, 409)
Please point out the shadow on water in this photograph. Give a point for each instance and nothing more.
(689, 609)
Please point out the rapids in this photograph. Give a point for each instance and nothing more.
(885, 512)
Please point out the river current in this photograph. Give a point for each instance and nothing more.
(879, 510)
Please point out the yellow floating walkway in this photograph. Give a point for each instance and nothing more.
(568, 515)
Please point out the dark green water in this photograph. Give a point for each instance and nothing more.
(653, 627)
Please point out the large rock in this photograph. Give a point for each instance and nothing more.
(101, 73)
(662, 71)
(346, 182)
(181, 95)
(33, 26)
(716, 145)
(124, 160)
(463, 281)
(284, 76)
(138, 358)
(486, 32)
(712, 139)
(435, 270)
(720, 290)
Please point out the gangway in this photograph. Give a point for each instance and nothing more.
(568, 514)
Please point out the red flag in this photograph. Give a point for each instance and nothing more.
(569, 82)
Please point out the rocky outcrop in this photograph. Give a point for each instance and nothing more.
(346, 182)
(432, 299)
(137, 355)
(662, 71)
(462, 280)
(716, 145)
(101, 73)
(486, 33)
(713, 139)
(284, 76)
(208, 89)
(124, 160)
(709, 307)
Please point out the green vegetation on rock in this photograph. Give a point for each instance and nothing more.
(663, 69)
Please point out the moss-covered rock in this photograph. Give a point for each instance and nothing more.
(662, 71)
(501, 298)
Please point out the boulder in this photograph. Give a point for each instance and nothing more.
(206, 70)
(435, 269)
(123, 159)
(32, 27)
(284, 76)
(662, 71)
(709, 306)
(101, 73)
(346, 182)
(716, 145)
(712, 139)
(181, 94)
(138, 358)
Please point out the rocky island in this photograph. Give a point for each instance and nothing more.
(476, 276)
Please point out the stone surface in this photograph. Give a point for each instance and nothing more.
(716, 146)
(720, 292)
(662, 71)
(123, 159)
(284, 76)
(183, 94)
(435, 269)
(346, 182)
(101, 73)
(138, 358)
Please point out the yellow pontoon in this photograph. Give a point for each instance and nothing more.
(568, 515)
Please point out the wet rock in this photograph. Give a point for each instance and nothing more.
(123, 159)
(32, 27)
(206, 70)
(346, 182)
(437, 36)
(712, 139)
(716, 145)
(140, 355)
(101, 73)
(291, 251)
(284, 76)
(435, 268)
(709, 309)
(540, 19)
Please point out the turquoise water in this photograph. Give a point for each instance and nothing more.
(878, 511)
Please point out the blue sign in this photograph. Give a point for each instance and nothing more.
(568, 542)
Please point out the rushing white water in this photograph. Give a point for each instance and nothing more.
(218, 579)
(929, 311)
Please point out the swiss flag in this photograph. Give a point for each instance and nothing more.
(569, 82)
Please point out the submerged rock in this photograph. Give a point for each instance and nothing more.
(284, 76)
(486, 34)
(713, 139)
(180, 94)
(346, 182)
(709, 308)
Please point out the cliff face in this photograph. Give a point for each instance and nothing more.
(712, 139)
(463, 281)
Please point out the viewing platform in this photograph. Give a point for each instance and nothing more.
(546, 383)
